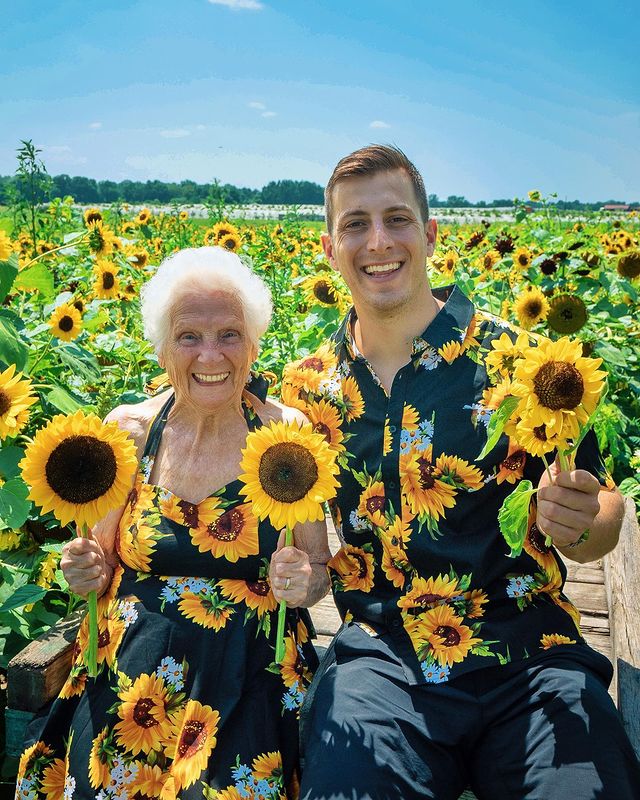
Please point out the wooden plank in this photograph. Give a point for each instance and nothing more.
(589, 598)
(37, 673)
(622, 580)
(585, 573)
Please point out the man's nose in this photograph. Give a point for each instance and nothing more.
(379, 238)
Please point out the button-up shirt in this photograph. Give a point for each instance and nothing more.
(422, 560)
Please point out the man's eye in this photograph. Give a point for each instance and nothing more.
(355, 223)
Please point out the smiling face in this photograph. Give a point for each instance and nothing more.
(379, 242)
(207, 353)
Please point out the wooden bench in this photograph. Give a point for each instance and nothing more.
(607, 594)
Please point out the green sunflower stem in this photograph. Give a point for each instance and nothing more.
(282, 610)
(92, 603)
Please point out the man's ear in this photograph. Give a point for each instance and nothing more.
(431, 231)
(327, 246)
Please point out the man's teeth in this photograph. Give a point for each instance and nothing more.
(211, 378)
(373, 269)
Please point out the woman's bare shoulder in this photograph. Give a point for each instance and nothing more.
(274, 411)
(137, 418)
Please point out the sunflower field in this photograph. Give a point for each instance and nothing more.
(70, 332)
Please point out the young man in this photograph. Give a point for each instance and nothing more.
(456, 664)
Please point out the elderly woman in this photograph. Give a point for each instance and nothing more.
(189, 701)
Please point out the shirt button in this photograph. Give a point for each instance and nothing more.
(392, 428)
(392, 484)
(396, 624)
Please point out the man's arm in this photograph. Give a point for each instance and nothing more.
(574, 503)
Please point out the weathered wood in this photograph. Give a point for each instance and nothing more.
(37, 673)
(585, 573)
(622, 580)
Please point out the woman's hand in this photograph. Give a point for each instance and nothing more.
(290, 574)
(85, 566)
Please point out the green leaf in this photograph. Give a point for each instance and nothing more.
(37, 277)
(14, 506)
(8, 272)
(81, 361)
(498, 420)
(12, 349)
(10, 457)
(610, 354)
(63, 400)
(23, 596)
(514, 514)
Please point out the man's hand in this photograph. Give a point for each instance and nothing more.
(85, 567)
(290, 574)
(567, 506)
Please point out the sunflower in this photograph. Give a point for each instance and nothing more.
(449, 261)
(99, 760)
(32, 755)
(410, 418)
(144, 216)
(54, 777)
(79, 468)
(6, 247)
(522, 257)
(534, 439)
(512, 466)
(144, 724)
(325, 419)
(10, 540)
(387, 438)
(185, 513)
(136, 543)
(475, 599)
(459, 472)
(629, 265)
(371, 505)
(106, 284)
(206, 609)
(308, 372)
(230, 242)
(354, 568)
(321, 290)
(195, 730)
(426, 493)
(100, 238)
(15, 399)
(151, 782)
(290, 396)
(535, 545)
(449, 351)
(222, 229)
(489, 260)
(505, 353)
(531, 307)
(256, 594)
(549, 640)
(352, 399)
(394, 554)
(567, 313)
(66, 322)
(558, 386)
(92, 215)
(110, 632)
(233, 534)
(138, 255)
(183, 216)
(293, 668)
(75, 684)
(449, 639)
(267, 765)
(288, 472)
(429, 592)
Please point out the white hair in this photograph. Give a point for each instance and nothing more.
(207, 269)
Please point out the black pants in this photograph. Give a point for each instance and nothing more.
(542, 729)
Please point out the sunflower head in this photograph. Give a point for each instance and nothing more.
(288, 471)
(16, 396)
(567, 313)
(531, 307)
(92, 215)
(106, 283)
(66, 322)
(629, 265)
(79, 468)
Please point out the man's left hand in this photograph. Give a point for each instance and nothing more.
(568, 505)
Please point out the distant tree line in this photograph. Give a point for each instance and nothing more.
(285, 192)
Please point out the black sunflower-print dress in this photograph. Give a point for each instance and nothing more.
(188, 701)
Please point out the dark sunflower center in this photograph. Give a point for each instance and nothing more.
(515, 461)
(261, 588)
(81, 469)
(323, 291)
(79, 305)
(312, 363)
(323, 429)
(230, 243)
(108, 280)
(538, 541)
(374, 504)
(189, 512)
(141, 715)
(558, 385)
(191, 738)
(534, 307)
(428, 598)
(287, 472)
(450, 636)
(523, 260)
(5, 402)
(362, 565)
(94, 216)
(228, 527)
(104, 638)
(540, 433)
(66, 323)
(425, 469)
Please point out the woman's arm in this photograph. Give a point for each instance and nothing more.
(301, 568)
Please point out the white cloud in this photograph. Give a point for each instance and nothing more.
(255, 104)
(95, 126)
(268, 114)
(175, 133)
(378, 123)
(201, 127)
(250, 5)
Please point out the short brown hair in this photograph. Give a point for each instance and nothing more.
(369, 161)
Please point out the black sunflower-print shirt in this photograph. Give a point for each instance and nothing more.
(422, 560)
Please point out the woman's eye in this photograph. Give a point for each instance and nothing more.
(231, 335)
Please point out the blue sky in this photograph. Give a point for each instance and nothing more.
(488, 99)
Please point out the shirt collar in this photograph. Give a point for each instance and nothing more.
(449, 324)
